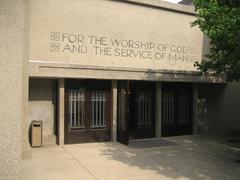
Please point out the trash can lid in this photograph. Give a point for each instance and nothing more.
(36, 122)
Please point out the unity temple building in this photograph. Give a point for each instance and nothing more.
(105, 70)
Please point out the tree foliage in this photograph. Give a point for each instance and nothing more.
(220, 21)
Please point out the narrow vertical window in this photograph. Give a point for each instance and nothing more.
(98, 108)
(144, 109)
(76, 109)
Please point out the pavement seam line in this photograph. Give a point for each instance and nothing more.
(89, 172)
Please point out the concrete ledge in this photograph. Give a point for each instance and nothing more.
(54, 70)
(164, 5)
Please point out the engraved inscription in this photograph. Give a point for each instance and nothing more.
(62, 42)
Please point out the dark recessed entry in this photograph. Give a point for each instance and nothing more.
(136, 110)
(177, 109)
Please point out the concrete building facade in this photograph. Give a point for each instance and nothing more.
(104, 70)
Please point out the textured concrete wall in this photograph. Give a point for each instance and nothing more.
(12, 59)
(230, 122)
(26, 149)
(210, 107)
(220, 112)
(60, 27)
(42, 105)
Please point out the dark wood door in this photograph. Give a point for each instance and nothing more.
(123, 112)
(177, 109)
(143, 109)
(87, 111)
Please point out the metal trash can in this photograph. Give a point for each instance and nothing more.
(36, 133)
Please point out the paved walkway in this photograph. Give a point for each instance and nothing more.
(192, 157)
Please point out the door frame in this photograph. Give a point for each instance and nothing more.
(131, 88)
(136, 87)
(87, 135)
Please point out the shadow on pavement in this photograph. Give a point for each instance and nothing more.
(195, 157)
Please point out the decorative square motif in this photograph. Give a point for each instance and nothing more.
(55, 36)
(55, 47)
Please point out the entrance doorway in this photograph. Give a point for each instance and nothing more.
(87, 111)
(177, 109)
(136, 110)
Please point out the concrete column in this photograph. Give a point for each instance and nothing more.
(114, 110)
(26, 149)
(13, 61)
(158, 130)
(195, 109)
(61, 101)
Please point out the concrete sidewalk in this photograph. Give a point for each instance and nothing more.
(194, 157)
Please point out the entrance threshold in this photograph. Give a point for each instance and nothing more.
(150, 143)
(146, 139)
